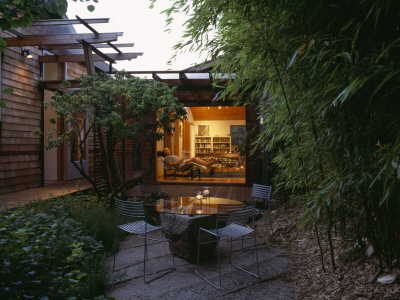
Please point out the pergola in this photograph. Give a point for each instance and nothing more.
(194, 88)
(73, 47)
(194, 85)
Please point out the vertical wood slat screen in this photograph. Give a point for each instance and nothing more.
(125, 153)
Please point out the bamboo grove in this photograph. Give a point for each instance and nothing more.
(324, 76)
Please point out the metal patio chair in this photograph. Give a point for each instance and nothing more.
(140, 228)
(235, 216)
(262, 192)
(150, 188)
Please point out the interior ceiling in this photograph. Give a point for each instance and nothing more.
(218, 113)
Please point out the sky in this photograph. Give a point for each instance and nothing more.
(142, 26)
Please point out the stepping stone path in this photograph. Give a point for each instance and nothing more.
(185, 284)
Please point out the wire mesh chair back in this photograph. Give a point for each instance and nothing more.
(238, 213)
(130, 209)
(138, 227)
(261, 192)
(148, 188)
(235, 215)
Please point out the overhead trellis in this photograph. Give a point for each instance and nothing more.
(74, 47)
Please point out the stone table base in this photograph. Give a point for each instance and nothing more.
(183, 233)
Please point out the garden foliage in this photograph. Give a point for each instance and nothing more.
(47, 257)
(324, 77)
(115, 108)
(56, 248)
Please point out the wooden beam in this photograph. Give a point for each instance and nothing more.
(183, 78)
(196, 97)
(87, 25)
(102, 55)
(165, 72)
(198, 88)
(79, 46)
(191, 102)
(156, 77)
(81, 57)
(80, 51)
(88, 59)
(56, 84)
(60, 39)
(52, 22)
(15, 32)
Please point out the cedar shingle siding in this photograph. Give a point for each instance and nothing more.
(20, 147)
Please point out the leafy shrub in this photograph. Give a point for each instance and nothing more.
(55, 248)
(46, 256)
(95, 215)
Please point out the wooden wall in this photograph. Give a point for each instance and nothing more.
(21, 155)
(75, 70)
(20, 147)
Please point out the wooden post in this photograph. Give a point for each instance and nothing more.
(88, 58)
(1, 79)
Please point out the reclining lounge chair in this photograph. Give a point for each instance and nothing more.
(191, 170)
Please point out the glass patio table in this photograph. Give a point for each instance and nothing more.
(192, 206)
(184, 216)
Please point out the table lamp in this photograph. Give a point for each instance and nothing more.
(199, 195)
(206, 192)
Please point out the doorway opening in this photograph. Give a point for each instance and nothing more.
(211, 133)
(57, 161)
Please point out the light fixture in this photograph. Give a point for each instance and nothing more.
(27, 53)
(206, 190)
(199, 195)
(219, 107)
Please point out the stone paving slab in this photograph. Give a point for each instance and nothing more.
(185, 284)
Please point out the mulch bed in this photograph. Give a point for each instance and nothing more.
(353, 278)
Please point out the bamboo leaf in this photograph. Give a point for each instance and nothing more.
(386, 79)
(342, 97)
(293, 58)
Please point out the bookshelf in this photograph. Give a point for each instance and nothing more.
(221, 144)
(203, 145)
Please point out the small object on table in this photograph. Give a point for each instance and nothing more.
(184, 216)
(206, 191)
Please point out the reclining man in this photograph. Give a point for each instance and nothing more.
(179, 163)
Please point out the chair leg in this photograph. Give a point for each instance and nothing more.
(146, 257)
(198, 253)
(197, 266)
(270, 219)
(230, 250)
(255, 245)
(219, 266)
(115, 246)
(258, 270)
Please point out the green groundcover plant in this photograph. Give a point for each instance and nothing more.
(46, 257)
(47, 254)
(56, 248)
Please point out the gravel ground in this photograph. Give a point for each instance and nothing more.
(352, 279)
